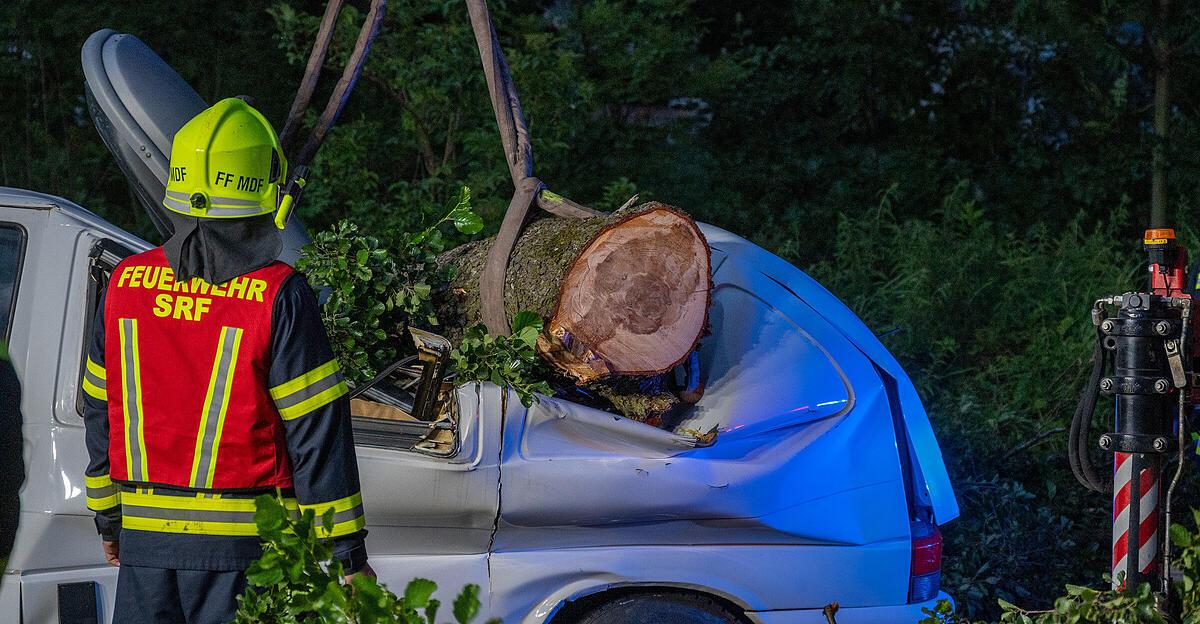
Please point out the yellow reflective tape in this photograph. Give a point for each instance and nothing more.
(104, 504)
(135, 444)
(314, 402)
(341, 504)
(141, 430)
(195, 503)
(201, 502)
(213, 378)
(305, 380)
(95, 369)
(216, 446)
(341, 528)
(97, 482)
(220, 384)
(199, 527)
(345, 527)
(93, 391)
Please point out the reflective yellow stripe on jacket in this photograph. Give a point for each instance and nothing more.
(94, 381)
(216, 404)
(170, 511)
(102, 493)
(310, 391)
(347, 516)
(135, 438)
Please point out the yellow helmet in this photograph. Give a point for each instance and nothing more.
(226, 163)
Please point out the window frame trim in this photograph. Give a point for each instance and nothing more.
(101, 245)
(12, 310)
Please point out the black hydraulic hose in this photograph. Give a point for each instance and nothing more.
(1079, 440)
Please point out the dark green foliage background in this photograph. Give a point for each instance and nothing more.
(972, 173)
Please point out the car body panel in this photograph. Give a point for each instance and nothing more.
(750, 576)
(417, 504)
(929, 465)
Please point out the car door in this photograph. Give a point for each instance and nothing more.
(432, 514)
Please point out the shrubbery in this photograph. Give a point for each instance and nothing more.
(297, 580)
(374, 288)
(1085, 605)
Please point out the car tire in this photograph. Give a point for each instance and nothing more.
(661, 608)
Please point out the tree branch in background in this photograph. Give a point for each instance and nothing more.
(1162, 108)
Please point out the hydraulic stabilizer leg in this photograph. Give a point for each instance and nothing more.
(1142, 382)
(1135, 553)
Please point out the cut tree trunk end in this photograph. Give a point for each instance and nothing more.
(634, 302)
(625, 294)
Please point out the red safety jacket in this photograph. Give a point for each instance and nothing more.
(187, 388)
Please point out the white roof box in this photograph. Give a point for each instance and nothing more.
(137, 103)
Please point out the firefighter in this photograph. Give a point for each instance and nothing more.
(210, 381)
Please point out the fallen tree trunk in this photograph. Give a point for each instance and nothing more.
(625, 294)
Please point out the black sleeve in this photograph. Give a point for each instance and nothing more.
(102, 494)
(12, 465)
(310, 394)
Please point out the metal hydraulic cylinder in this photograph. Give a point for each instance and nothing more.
(1139, 337)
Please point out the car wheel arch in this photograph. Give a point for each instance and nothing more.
(571, 609)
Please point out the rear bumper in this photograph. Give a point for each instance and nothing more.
(897, 614)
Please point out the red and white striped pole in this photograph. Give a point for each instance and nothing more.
(1135, 552)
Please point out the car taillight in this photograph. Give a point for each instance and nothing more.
(926, 579)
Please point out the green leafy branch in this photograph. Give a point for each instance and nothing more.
(374, 291)
(297, 580)
(504, 360)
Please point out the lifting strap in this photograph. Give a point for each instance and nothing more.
(518, 154)
(341, 91)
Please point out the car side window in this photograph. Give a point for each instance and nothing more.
(103, 259)
(12, 255)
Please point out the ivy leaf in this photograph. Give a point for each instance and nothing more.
(431, 611)
(462, 201)
(1181, 536)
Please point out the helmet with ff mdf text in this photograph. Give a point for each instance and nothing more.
(226, 163)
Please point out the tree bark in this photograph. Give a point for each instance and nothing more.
(624, 294)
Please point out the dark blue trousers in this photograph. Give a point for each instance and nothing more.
(164, 596)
